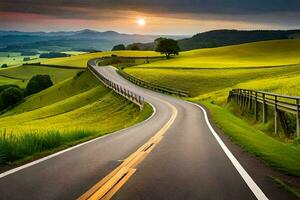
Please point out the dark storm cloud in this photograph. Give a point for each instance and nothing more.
(249, 10)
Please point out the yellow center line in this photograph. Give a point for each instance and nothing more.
(111, 183)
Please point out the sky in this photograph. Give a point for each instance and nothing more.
(180, 17)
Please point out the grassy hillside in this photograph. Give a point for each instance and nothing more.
(79, 103)
(81, 60)
(7, 81)
(15, 60)
(211, 86)
(202, 81)
(269, 53)
(72, 111)
(25, 72)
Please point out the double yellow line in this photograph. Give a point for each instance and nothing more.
(111, 183)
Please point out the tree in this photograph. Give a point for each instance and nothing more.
(119, 47)
(134, 47)
(10, 96)
(38, 83)
(4, 66)
(167, 46)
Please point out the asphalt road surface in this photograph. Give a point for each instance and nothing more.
(190, 161)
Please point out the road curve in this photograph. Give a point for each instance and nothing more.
(190, 162)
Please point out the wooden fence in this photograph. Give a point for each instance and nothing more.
(153, 86)
(280, 103)
(106, 60)
(131, 96)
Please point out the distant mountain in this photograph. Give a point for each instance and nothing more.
(69, 40)
(219, 38)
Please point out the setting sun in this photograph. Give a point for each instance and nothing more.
(141, 22)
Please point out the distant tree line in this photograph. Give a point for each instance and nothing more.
(53, 55)
(165, 46)
(120, 47)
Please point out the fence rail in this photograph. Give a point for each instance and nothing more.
(131, 96)
(152, 86)
(281, 103)
(137, 81)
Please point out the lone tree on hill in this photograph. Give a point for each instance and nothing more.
(38, 83)
(167, 46)
(119, 47)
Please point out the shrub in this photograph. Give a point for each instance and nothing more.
(10, 96)
(78, 74)
(3, 87)
(119, 47)
(134, 47)
(4, 66)
(38, 83)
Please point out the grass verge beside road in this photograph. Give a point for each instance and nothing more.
(283, 157)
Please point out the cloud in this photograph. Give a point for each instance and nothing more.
(231, 7)
(285, 13)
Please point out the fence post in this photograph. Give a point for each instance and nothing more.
(276, 117)
(264, 109)
(248, 100)
(256, 106)
(298, 118)
(251, 100)
(242, 100)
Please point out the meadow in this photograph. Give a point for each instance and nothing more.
(258, 54)
(16, 58)
(270, 66)
(76, 108)
(13, 58)
(25, 72)
(81, 60)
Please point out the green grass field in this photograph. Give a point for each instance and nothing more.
(211, 86)
(9, 81)
(81, 60)
(16, 75)
(77, 103)
(282, 156)
(15, 59)
(76, 108)
(202, 81)
(269, 53)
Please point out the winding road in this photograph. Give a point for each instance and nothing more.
(185, 159)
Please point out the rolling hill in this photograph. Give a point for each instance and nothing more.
(256, 54)
(71, 111)
(20, 75)
(78, 103)
(81, 60)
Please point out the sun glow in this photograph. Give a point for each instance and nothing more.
(141, 22)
